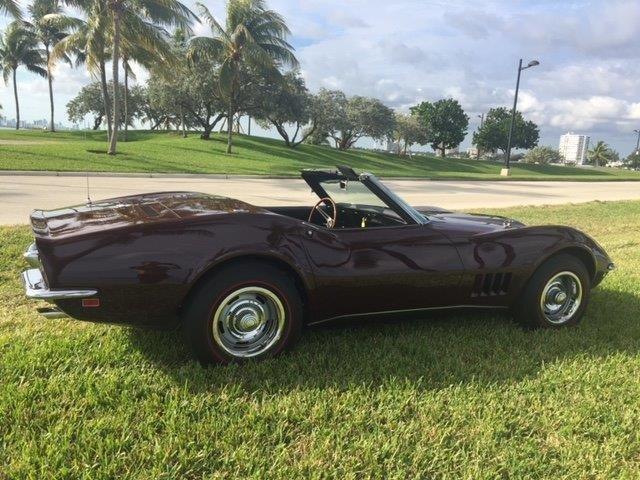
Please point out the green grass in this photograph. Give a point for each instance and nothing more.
(169, 153)
(458, 395)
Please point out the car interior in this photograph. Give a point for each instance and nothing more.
(348, 216)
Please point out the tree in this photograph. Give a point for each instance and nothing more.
(149, 48)
(346, 120)
(494, 133)
(542, 155)
(319, 136)
(366, 117)
(600, 154)
(408, 131)
(633, 160)
(139, 17)
(251, 37)
(49, 26)
(89, 101)
(11, 7)
(19, 47)
(88, 43)
(445, 121)
(287, 101)
(188, 91)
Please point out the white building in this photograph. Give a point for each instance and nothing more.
(573, 148)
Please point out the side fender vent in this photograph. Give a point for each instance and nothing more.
(491, 284)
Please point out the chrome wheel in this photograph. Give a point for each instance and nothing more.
(561, 297)
(248, 322)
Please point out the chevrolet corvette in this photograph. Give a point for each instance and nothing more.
(242, 281)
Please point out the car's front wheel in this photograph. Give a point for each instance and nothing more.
(556, 295)
(244, 311)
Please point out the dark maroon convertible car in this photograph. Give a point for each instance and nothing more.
(243, 280)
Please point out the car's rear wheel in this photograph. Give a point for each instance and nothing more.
(556, 295)
(244, 311)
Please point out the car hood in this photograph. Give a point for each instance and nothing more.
(468, 224)
(133, 210)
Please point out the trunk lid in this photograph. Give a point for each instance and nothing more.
(132, 210)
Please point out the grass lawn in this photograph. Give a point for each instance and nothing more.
(169, 153)
(458, 395)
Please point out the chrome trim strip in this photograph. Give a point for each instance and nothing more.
(36, 288)
(32, 256)
(426, 309)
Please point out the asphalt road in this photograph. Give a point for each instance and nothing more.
(19, 194)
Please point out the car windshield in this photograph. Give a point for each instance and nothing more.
(351, 193)
(361, 192)
(412, 212)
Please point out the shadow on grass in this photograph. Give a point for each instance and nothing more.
(431, 352)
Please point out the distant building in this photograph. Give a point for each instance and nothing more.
(472, 151)
(573, 148)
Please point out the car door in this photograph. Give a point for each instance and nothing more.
(382, 269)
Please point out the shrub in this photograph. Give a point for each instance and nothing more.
(542, 156)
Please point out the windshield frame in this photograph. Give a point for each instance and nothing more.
(314, 178)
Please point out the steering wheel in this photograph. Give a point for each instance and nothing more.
(330, 221)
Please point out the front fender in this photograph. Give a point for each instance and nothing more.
(522, 250)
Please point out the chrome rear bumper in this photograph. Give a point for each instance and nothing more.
(35, 287)
(31, 256)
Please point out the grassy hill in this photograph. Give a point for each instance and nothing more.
(163, 152)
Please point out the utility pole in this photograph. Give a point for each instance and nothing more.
(481, 117)
(505, 171)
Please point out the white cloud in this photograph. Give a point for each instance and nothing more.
(405, 51)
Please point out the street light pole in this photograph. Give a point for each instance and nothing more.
(532, 63)
(637, 141)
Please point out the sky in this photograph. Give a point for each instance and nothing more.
(407, 51)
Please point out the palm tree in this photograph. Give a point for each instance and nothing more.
(89, 45)
(139, 16)
(19, 47)
(252, 37)
(600, 154)
(153, 50)
(49, 25)
(11, 7)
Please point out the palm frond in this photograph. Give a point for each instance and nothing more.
(11, 7)
(19, 47)
(206, 48)
(210, 20)
(165, 12)
(37, 70)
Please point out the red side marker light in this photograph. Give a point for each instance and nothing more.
(90, 302)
